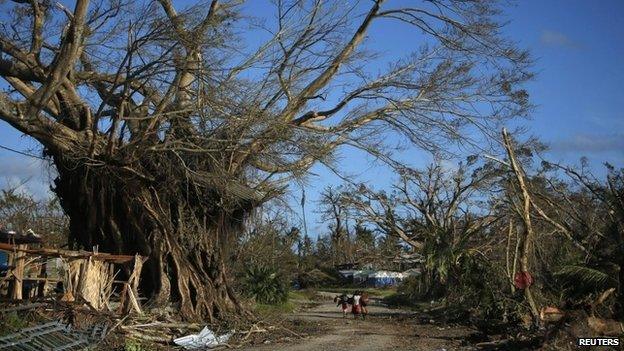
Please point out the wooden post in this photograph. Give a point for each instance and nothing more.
(132, 287)
(6, 283)
(123, 299)
(43, 273)
(18, 273)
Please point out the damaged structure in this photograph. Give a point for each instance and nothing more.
(91, 277)
(54, 336)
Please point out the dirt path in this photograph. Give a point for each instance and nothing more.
(383, 329)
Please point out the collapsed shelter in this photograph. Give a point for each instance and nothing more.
(88, 276)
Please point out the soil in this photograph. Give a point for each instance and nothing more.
(383, 329)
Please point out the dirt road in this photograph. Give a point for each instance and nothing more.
(383, 329)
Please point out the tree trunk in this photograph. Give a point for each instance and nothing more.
(184, 235)
(529, 235)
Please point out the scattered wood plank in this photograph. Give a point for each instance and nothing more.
(118, 259)
(28, 306)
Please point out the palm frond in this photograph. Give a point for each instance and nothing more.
(583, 275)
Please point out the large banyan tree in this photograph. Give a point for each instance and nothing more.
(167, 125)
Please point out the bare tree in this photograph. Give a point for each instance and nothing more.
(523, 207)
(21, 212)
(166, 131)
(334, 212)
(427, 202)
(437, 212)
(268, 241)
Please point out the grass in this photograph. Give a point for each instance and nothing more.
(306, 294)
(264, 309)
(12, 323)
(295, 298)
(133, 345)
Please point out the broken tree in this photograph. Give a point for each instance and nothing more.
(166, 133)
(528, 236)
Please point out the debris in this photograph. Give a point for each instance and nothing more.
(605, 295)
(527, 320)
(68, 297)
(14, 237)
(86, 276)
(54, 335)
(493, 345)
(69, 254)
(254, 329)
(205, 338)
(551, 314)
(28, 306)
(605, 327)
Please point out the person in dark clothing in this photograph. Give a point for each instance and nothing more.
(342, 302)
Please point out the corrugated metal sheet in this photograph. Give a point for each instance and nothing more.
(53, 336)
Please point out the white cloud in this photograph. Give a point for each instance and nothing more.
(31, 175)
(590, 143)
(554, 38)
(449, 166)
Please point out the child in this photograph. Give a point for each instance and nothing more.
(364, 303)
(343, 302)
(357, 307)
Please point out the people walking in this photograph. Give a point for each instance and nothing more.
(356, 308)
(342, 302)
(364, 303)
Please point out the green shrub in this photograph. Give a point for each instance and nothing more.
(265, 285)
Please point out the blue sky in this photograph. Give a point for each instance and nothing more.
(578, 90)
(578, 93)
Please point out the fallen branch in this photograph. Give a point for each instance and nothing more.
(165, 325)
(253, 329)
(166, 339)
(493, 345)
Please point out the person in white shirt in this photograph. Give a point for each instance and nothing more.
(357, 307)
